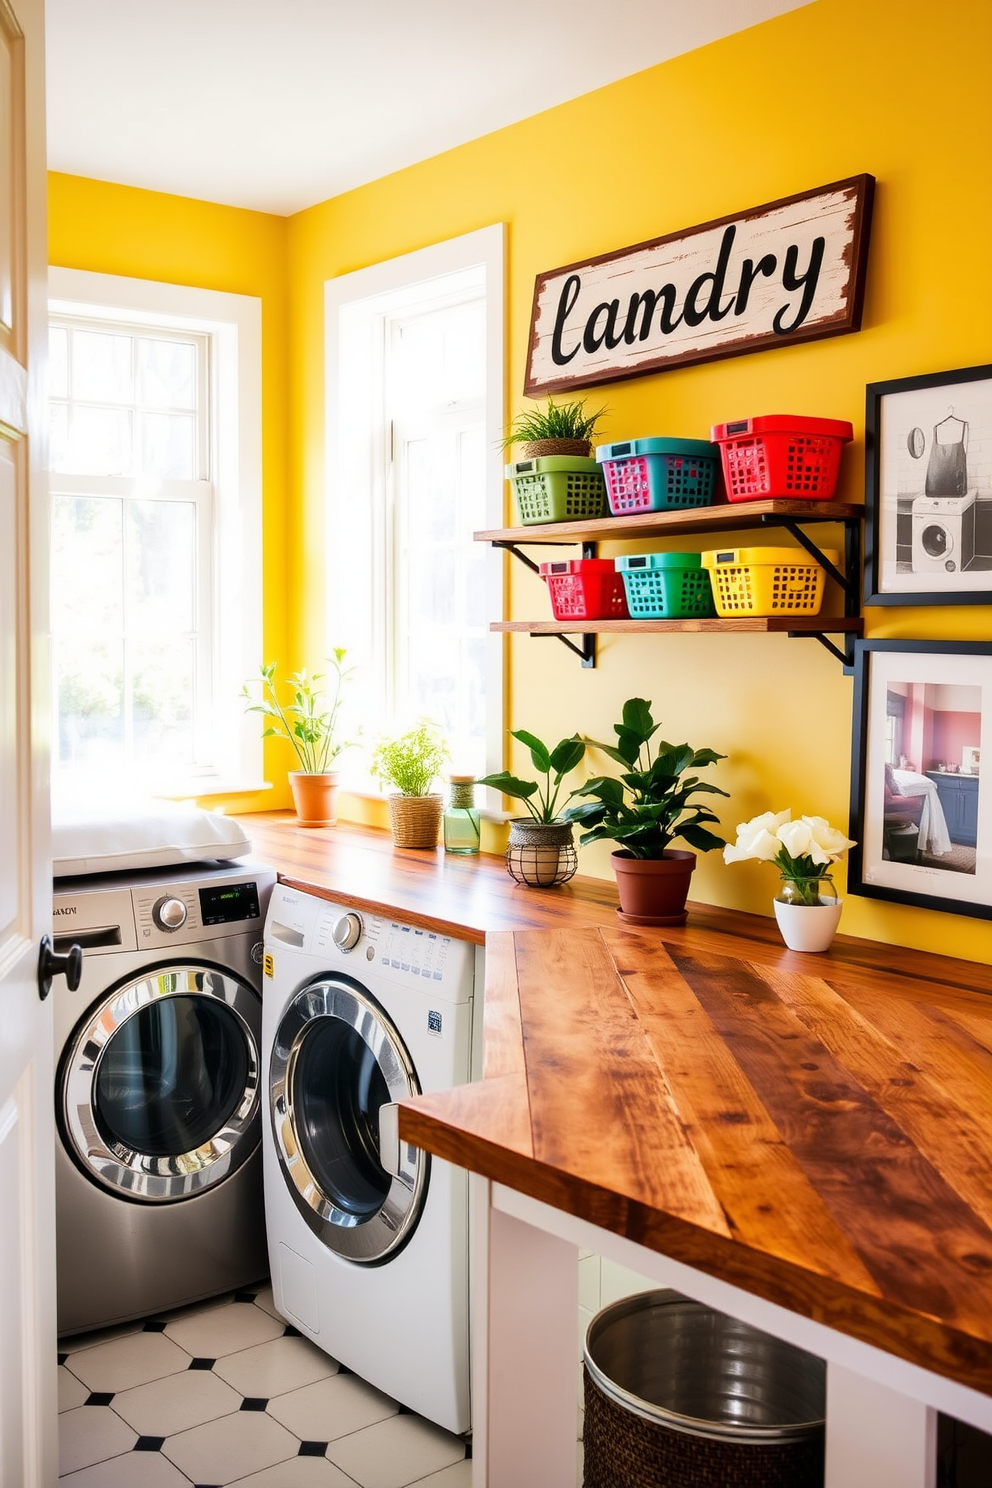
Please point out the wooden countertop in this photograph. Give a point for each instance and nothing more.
(814, 1129)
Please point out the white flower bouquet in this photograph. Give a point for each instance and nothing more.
(803, 850)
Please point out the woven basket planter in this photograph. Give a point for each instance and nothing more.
(415, 820)
(539, 449)
(541, 854)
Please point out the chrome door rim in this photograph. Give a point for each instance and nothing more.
(376, 1238)
(134, 1174)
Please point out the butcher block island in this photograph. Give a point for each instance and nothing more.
(804, 1141)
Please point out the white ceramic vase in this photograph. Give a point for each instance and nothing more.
(808, 927)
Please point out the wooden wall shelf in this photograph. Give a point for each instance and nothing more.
(725, 516)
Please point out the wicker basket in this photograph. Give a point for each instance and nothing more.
(415, 820)
(680, 1396)
(537, 449)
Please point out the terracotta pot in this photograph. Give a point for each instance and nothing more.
(538, 449)
(315, 797)
(415, 820)
(541, 854)
(653, 891)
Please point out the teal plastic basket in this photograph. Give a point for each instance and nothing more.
(666, 586)
(558, 488)
(645, 475)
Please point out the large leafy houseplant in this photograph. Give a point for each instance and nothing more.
(540, 798)
(541, 851)
(652, 804)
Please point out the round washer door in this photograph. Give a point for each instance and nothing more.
(936, 540)
(160, 1083)
(336, 1061)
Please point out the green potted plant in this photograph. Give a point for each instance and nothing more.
(558, 429)
(649, 807)
(541, 850)
(412, 762)
(310, 721)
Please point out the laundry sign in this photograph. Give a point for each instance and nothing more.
(791, 270)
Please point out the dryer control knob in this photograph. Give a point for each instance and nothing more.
(347, 932)
(169, 913)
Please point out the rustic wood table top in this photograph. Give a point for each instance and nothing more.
(815, 1129)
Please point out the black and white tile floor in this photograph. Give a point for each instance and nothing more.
(226, 1393)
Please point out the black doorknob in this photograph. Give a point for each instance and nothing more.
(50, 965)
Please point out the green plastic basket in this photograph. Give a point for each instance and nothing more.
(666, 586)
(558, 488)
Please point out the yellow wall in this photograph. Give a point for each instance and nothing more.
(148, 235)
(895, 88)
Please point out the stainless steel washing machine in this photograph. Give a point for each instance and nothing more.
(158, 1168)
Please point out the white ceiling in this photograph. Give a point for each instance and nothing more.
(278, 104)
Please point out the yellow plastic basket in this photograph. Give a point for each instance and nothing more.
(766, 581)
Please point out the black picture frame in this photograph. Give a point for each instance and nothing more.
(928, 500)
(922, 834)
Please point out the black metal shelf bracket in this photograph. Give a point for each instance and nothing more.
(850, 579)
(845, 656)
(586, 652)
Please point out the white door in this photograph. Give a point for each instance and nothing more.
(28, 1445)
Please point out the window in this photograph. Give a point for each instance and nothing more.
(415, 413)
(155, 484)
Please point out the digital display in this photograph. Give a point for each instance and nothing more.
(223, 904)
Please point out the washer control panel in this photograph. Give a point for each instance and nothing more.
(155, 912)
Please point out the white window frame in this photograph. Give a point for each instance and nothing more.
(234, 324)
(353, 481)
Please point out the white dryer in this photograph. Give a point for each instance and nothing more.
(368, 1237)
(943, 533)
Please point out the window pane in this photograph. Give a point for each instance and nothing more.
(166, 373)
(90, 689)
(101, 366)
(165, 445)
(163, 700)
(58, 362)
(161, 566)
(87, 620)
(99, 441)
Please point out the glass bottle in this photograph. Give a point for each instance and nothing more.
(461, 817)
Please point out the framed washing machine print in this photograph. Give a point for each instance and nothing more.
(920, 815)
(928, 489)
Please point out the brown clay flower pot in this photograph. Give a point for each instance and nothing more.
(415, 820)
(315, 797)
(653, 891)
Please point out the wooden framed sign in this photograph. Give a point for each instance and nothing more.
(792, 270)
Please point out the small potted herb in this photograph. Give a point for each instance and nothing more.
(558, 429)
(412, 762)
(309, 718)
(649, 807)
(541, 850)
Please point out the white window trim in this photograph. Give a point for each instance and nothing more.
(378, 283)
(235, 324)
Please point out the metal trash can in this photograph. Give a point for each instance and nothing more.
(680, 1396)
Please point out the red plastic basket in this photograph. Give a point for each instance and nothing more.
(586, 589)
(781, 455)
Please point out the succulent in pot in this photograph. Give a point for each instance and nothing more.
(541, 850)
(411, 762)
(651, 805)
(558, 429)
(310, 720)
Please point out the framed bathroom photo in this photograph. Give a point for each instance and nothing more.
(928, 489)
(920, 816)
